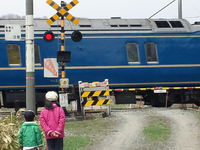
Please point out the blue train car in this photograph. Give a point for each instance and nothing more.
(152, 58)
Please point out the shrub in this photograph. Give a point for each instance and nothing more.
(9, 127)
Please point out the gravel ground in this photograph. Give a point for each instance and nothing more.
(186, 129)
(128, 132)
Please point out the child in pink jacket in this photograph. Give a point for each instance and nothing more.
(52, 120)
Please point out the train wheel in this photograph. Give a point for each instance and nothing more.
(196, 98)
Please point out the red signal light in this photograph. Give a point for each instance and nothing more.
(48, 36)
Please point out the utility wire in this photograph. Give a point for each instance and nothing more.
(162, 9)
(193, 17)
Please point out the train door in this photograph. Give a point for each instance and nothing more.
(3, 60)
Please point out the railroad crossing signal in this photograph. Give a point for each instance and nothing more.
(62, 55)
(62, 11)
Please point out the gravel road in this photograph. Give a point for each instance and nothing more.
(128, 133)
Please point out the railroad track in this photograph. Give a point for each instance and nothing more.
(4, 111)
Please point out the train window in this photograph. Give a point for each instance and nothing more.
(151, 52)
(135, 25)
(85, 25)
(123, 25)
(162, 24)
(132, 53)
(176, 24)
(13, 54)
(37, 54)
(113, 25)
(55, 26)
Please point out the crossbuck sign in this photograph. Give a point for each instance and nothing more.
(62, 11)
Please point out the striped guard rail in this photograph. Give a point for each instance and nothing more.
(98, 102)
(95, 93)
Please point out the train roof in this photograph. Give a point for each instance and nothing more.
(115, 24)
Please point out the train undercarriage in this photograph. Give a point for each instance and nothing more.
(157, 97)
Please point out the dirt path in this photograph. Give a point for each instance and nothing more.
(128, 134)
(125, 134)
(186, 129)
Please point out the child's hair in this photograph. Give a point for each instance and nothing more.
(48, 104)
(29, 115)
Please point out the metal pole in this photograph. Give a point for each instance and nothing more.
(180, 9)
(166, 102)
(30, 58)
(62, 45)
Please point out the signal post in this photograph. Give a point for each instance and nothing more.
(63, 56)
(30, 58)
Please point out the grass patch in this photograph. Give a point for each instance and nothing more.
(75, 142)
(119, 106)
(157, 130)
(88, 127)
(80, 134)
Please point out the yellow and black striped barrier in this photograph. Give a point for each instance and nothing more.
(97, 102)
(95, 93)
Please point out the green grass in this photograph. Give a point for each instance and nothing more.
(75, 142)
(157, 130)
(119, 106)
(83, 133)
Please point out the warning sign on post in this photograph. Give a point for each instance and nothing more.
(63, 99)
(50, 68)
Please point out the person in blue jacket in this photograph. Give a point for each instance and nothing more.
(30, 135)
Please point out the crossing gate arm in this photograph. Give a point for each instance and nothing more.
(161, 89)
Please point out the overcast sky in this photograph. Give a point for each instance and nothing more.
(109, 8)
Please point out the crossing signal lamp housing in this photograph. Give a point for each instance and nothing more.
(49, 36)
(63, 56)
(76, 36)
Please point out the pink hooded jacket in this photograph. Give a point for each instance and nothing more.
(53, 120)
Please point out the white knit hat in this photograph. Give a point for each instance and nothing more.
(51, 96)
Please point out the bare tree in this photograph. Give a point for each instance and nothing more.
(11, 16)
(15, 16)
